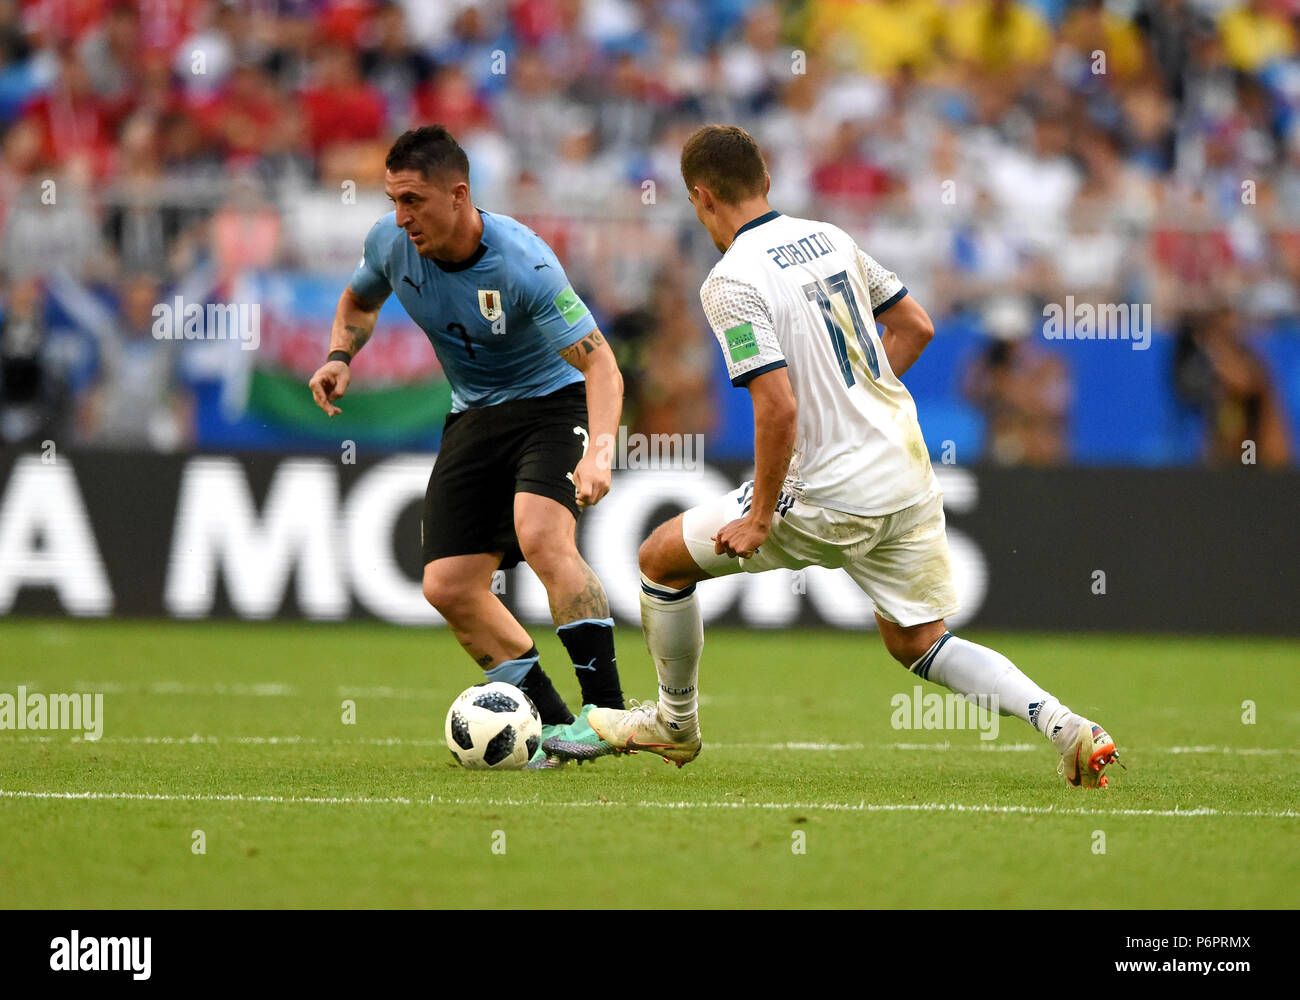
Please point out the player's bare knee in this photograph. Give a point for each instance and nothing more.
(905, 653)
(656, 562)
(445, 593)
(434, 591)
(546, 552)
(647, 557)
(907, 645)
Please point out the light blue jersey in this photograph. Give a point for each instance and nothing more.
(496, 321)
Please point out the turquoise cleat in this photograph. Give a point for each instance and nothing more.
(577, 741)
(543, 761)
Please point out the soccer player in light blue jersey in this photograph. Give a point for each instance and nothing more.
(536, 401)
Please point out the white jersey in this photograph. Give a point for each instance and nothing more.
(800, 294)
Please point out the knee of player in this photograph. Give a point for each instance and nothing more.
(444, 592)
(647, 558)
(907, 649)
(655, 559)
(545, 550)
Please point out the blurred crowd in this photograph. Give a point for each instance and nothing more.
(1128, 151)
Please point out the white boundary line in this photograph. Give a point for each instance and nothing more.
(853, 807)
(262, 689)
(10, 736)
(269, 689)
(872, 807)
(199, 740)
(169, 797)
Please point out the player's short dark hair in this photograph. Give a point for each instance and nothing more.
(431, 150)
(727, 161)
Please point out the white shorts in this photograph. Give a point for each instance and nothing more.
(899, 560)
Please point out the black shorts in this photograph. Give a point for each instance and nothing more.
(489, 454)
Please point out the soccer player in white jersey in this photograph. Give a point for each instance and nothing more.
(842, 475)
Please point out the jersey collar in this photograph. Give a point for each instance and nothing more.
(451, 267)
(462, 265)
(755, 223)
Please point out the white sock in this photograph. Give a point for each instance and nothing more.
(674, 634)
(971, 669)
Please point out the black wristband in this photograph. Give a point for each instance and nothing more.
(343, 356)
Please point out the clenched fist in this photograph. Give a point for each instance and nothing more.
(741, 538)
(591, 479)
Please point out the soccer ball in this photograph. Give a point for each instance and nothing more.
(493, 727)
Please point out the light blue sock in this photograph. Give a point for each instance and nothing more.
(513, 671)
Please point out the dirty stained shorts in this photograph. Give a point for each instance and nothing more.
(900, 560)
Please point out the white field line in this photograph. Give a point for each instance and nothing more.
(873, 807)
(325, 800)
(1021, 747)
(386, 741)
(850, 807)
(265, 690)
(198, 740)
(261, 690)
(269, 689)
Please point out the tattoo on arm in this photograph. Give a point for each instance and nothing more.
(355, 338)
(576, 352)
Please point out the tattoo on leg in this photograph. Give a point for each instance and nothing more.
(467, 644)
(589, 601)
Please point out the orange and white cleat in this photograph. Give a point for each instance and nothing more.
(1091, 751)
(642, 728)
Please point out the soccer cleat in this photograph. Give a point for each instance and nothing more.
(543, 761)
(1090, 753)
(577, 741)
(641, 728)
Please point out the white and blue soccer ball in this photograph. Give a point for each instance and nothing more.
(493, 727)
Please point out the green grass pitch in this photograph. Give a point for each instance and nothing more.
(804, 796)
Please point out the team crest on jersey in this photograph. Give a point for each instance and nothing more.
(489, 304)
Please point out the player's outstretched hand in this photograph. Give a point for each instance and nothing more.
(591, 479)
(740, 537)
(329, 383)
